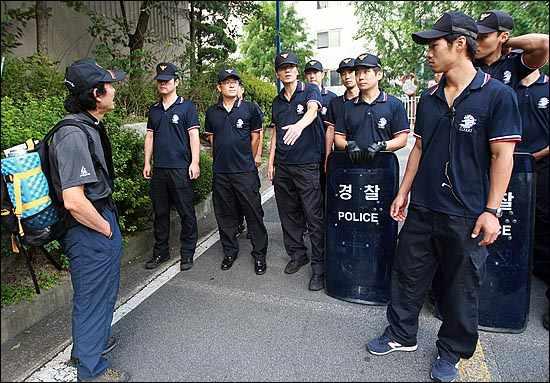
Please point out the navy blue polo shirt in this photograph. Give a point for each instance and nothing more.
(366, 123)
(335, 109)
(533, 107)
(170, 129)
(309, 146)
(453, 174)
(326, 97)
(231, 130)
(509, 69)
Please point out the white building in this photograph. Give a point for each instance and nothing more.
(332, 26)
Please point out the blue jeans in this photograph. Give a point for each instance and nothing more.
(95, 275)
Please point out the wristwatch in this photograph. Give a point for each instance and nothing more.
(496, 212)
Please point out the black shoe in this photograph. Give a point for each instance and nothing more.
(111, 344)
(186, 264)
(294, 266)
(155, 261)
(317, 282)
(228, 262)
(109, 375)
(260, 266)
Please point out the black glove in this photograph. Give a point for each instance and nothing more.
(355, 153)
(374, 148)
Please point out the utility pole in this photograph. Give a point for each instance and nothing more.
(277, 35)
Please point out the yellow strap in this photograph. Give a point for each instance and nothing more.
(30, 144)
(17, 192)
(36, 202)
(27, 173)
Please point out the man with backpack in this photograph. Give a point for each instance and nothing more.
(82, 175)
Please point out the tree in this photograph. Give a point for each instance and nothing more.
(42, 15)
(390, 24)
(211, 39)
(14, 21)
(258, 43)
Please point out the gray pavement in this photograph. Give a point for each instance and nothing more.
(206, 324)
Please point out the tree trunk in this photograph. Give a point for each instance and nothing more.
(42, 16)
(192, 32)
(138, 38)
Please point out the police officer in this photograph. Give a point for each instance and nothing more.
(533, 98)
(346, 69)
(172, 140)
(313, 72)
(294, 158)
(233, 127)
(374, 120)
(83, 178)
(458, 170)
(494, 28)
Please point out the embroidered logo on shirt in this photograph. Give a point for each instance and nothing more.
(175, 119)
(543, 103)
(382, 123)
(324, 110)
(467, 124)
(84, 172)
(300, 109)
(507, 77)
(239, 123)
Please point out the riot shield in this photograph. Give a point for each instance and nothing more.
(505, 290)
(360, 234)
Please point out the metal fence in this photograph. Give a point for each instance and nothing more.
(410, 107)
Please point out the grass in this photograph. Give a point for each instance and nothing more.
(13, 293)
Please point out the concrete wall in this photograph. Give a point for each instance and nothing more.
(69, 39)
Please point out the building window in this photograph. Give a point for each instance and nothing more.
(322, 40)
(335, 79)
(322, 4)
(334, 38)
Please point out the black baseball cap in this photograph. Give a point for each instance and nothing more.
(285, 58)
(495, 21)
(367, 60)
(87, 73)
(347, 63)
(447, 24)
(313, 65)
(226, 73)
(166, 72)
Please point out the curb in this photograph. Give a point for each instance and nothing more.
(17, 318)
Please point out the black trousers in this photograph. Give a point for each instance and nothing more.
(173, 187)
(429, 240)
(298, 196)
(541, 249)
(233, 195)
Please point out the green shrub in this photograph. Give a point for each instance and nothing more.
(35, 74)
(203, 185)
(28, 117)
(261, 92)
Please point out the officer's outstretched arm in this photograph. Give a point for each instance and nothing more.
(534, 46)
(294, 131)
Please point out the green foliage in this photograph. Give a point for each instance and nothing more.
(13, 293)
(35, 74)
(261, 92)
(212, 39)
(390, 24)
(14, 20)
(258, 43)
(28, 117)
(203, 185)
